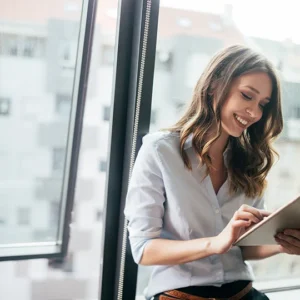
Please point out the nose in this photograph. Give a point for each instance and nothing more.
(254, 112)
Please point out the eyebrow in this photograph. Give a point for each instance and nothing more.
(256, 91)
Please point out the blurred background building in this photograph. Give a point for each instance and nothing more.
(38, 50)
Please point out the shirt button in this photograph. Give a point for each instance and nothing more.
(217, 211)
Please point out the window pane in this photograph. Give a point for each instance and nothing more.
(63, 105)
(5, 107)
(36, 91)
(106, 113)
(38, 88)
(189, 33)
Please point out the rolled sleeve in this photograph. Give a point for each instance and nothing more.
(145, 199)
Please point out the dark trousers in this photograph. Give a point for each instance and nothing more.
(225, 291)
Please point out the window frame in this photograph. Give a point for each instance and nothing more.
(59, 249)
(133, 81)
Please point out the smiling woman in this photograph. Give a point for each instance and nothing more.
(224, 110)
(190, 49)
(197, 186)
(248, 96)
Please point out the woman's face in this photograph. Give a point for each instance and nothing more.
(245, 103)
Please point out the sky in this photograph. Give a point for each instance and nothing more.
(276, 20)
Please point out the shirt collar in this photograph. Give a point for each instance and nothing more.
(189, 144)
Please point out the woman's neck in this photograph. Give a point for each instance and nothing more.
(217, 149)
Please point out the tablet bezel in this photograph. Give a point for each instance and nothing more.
(254, 227)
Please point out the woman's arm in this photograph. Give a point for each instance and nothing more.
(170, 252)
(260, 252)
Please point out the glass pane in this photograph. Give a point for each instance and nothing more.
(189, 33)
(36, 88)
(76, 276)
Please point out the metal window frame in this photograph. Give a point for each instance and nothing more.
(85, 53)
(51, 250)
(132, 80)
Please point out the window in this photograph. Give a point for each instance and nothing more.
(3, 215)
(215, 26)
(29, 47)
(58, 158)
(13, 48)
(66, 53)
(22, 45)
(34, 47)
(23, 217)
(4, 106)
(295, 112)
(51, 85)
(9, 44)
(103, 165)
(63, 105)
(54, 213)
(106, 113)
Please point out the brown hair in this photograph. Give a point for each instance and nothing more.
(252, 155)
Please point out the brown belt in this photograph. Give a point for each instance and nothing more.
(184, 296)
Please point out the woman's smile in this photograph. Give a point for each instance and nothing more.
(241, 122)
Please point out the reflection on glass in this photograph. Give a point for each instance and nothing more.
(35, 102)
(38, 48)
(189, 33)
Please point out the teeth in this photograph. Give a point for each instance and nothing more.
(244, 122)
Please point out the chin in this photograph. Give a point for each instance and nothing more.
(233, 131)
(235, 134)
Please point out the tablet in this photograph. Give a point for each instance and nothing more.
(262, 233)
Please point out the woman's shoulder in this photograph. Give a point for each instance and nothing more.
(160, 139)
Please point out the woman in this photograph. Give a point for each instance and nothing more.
(197, 186)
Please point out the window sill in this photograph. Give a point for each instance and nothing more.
(279, 285)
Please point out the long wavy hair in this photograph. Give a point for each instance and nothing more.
(252, 155)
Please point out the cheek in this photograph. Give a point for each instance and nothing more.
(230, 105)
(227, 110)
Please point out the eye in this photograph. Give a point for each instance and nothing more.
(262, 105)
(245, 96)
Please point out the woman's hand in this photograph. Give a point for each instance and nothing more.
(244, 217)
(289, 241)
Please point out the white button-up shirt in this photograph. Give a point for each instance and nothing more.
(166, 200)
